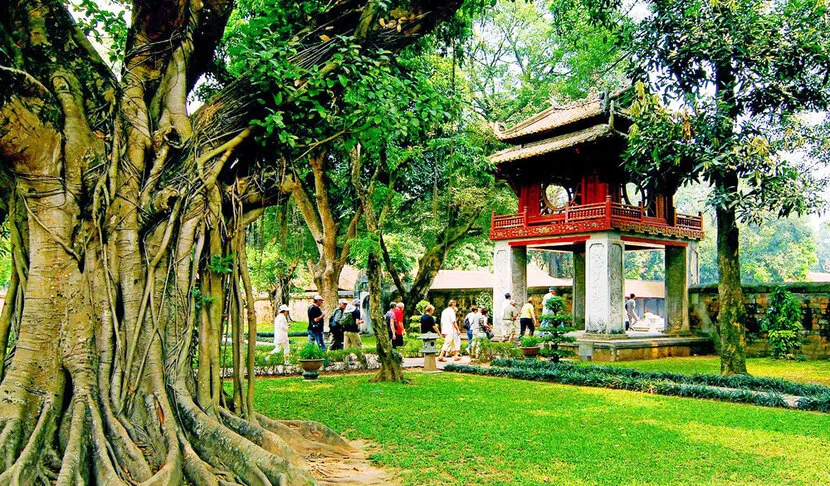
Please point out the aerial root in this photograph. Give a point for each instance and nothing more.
(262, 437)
(26, 468)
(218, 444)
(308, 438)
(71, 471)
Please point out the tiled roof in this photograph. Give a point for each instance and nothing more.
(552, 118)
(552, 144)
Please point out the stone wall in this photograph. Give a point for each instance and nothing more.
(815, 307)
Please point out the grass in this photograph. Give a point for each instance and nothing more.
(468, 430)
(804, 371)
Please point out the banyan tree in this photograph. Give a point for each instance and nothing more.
(127, 216)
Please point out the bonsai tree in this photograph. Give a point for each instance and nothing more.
(783, 325)
(556, 323)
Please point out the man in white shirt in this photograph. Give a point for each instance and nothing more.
(498, 311)
(450, 332)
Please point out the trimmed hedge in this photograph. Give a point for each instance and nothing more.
(743, 382)
(571, 376)
(768, 392)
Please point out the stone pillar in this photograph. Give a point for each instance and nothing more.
(677, 290)
(604, 304)
(579, 287)
(509, 273)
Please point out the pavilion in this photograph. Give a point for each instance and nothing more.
(565, 166)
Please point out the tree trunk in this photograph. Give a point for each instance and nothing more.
(730, 293)
(390, 360)
(125, 211)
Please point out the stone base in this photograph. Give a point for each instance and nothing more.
(601, 336)
(635, 348)
(429, 362)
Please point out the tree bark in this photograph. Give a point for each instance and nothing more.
(730, 292)
(390, 360)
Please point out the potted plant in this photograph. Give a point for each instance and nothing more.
(530, 346)
(311, 360)
(556, 324)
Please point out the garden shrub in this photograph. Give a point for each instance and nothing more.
(783, 325)
(489, 350)
(574, 376)
(745, 382)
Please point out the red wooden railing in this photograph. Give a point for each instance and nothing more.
(609, 211)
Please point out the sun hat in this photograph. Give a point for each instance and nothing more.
(284, 308)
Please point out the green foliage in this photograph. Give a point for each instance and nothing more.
(740, 389)
(5, 255)
(743, 382)
(782, 323)
(529, 341)
(345, 356)
(311, 351)
(221, 264)
(104, 23)
(199, 298)
(488, 350)
(485, 299)
(420, 307)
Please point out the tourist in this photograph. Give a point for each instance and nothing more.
(281, 332)
(450, 333)
(316, 321)
(508, 321)
(358, 321)
(397, 341)
(334, 325)
(498, 311)
(631, 311)
(389, 318)
(551, 293)
(480, 331)
(472, 317)
(428, 322)
(351, 329)
(527, 318)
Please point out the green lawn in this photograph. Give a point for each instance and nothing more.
(455, 429)
(804, 371)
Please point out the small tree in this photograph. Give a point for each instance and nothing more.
(783, 325)
(556, 324)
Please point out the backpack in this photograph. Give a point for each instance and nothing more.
(347, 321)
(466, 324)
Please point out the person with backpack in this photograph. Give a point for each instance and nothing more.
(335, 328)
(351, 331)
(481, 330)
(469, 324)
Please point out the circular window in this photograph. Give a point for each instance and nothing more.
(555, 197)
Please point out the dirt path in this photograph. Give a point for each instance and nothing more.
(354, 470)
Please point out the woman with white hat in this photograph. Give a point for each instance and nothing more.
(281, 331)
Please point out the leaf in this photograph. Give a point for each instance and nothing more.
(324, 38)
